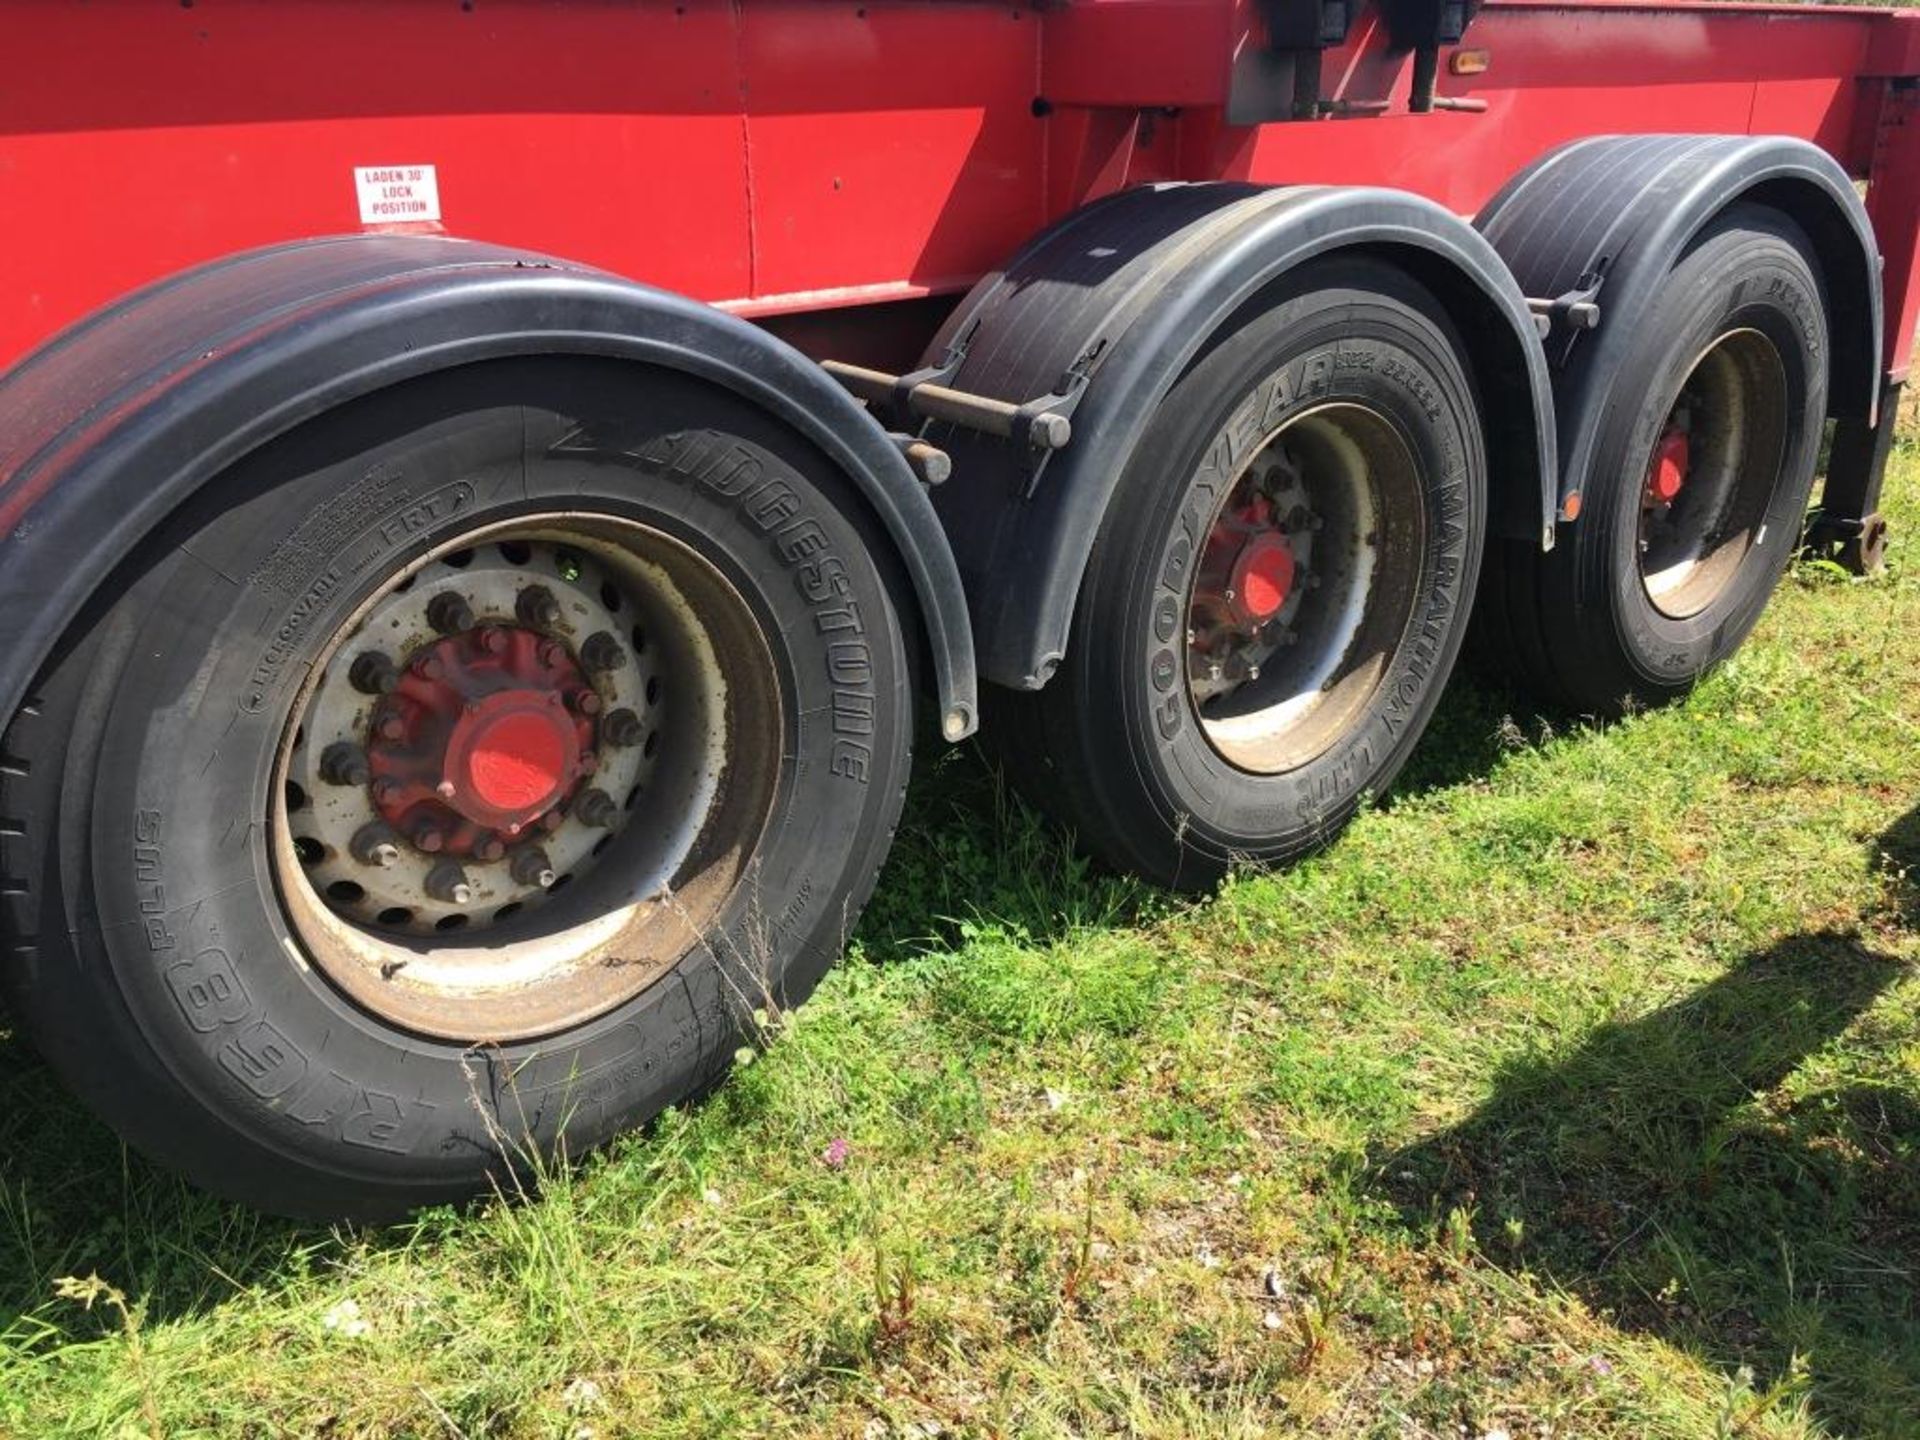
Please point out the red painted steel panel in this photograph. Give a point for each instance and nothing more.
(800, 155)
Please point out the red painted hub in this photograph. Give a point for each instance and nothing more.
(1671, 458)
(486, 733)
(1247, 568)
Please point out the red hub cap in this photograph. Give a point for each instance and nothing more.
(486, 733)
(1247, 569)
(1668, 473)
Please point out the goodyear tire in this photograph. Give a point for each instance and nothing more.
(1698, 489)
(1277, 594)
(355, 934)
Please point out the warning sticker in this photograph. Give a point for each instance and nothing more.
(397, 194)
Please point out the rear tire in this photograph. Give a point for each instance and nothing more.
(1646, 591)
(221, 1002)
(1278, 591)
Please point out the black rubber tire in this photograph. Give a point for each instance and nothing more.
(1576, 625)
(1159, 800)
(130, 796)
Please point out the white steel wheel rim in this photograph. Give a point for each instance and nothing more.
(627, 898)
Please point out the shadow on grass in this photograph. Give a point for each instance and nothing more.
(1662, 1174)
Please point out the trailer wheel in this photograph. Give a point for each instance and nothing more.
(458, 780)
(1278, 592)
(1698, 489)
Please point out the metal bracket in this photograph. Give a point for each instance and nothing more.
(1039, 427)
(1575, 310)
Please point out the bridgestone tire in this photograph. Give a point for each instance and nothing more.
(135, 791)
(1114, 746)
(1578, 625)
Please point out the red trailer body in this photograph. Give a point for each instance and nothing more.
(781, 156)
(485, 484)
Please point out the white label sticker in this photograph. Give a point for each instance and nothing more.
(397, 194)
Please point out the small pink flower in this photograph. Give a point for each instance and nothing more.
(1600, 1365)
(835, 1155)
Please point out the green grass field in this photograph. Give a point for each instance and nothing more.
(1576, 1092)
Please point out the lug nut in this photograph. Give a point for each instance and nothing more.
(375, 844)
(447, 883)
(372, 673)
(493, 640)
(385, 791)
(428, 667)
(601, 652)
(449, 613)
(596, 808)
(489, 848)
(537, 608)
(532, 867)
(586, 702)
(551, 821)
(429, 837)
(622, 728)
(588, 763)
(390, 724)
(344, 763)
(552, 654)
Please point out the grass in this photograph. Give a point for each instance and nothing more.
(1576, 1092)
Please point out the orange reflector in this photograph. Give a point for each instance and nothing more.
(1570, 507)
(1470, 62)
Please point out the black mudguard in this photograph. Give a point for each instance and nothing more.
(107, 428)
(1132, 288)
(1612, 214)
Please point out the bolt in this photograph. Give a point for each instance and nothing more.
(449, 613)
(537, 609)
(552, 654)
(1229, 593)
(489, 848)
(551, 821)
(390, 724)
(428, 667)
(601, 652)
(1253, 672)
(493, 640)
(531, 867)
(622, 728)
(372, 673)
(445, 790)
(429, 837)
(344, 763)
(588, 763)
(1213, 672)
(1313, 582)
(595, 807)
(447, 883)
(587, 702)
(385, 791)
(375, 844)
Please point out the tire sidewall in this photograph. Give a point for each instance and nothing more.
(1380, 347)
(182, 879)
(1735, 278)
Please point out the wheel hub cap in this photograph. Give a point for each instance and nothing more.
(486, 731)
(1671, 458)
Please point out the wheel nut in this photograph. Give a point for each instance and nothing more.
(489, 848)
(447, 883)
(449, 613)
(372, 673)
(375, 844)
(596, 808)
(586, 702)
(537, 608)
(428, 667)
(551, 821)
(493, 640)
(532, 867)
(390, 724)
(622, 728)
(344, 763)
(429, 837)
(588, 763)
(601, 652)
(552, 654)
